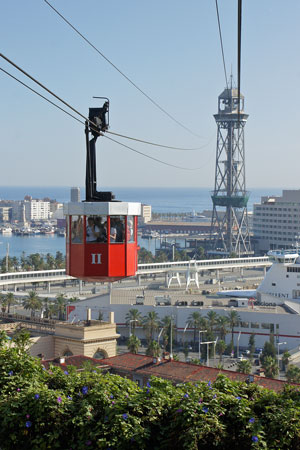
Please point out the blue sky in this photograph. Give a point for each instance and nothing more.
(171, 50)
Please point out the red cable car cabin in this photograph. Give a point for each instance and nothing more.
(101, 240)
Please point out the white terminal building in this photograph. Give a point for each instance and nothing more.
(273, 309)
(276, 221)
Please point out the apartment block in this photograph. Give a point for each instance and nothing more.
(276, 221)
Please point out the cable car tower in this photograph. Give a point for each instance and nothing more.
(229, 231)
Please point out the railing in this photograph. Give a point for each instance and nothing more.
(208, 264)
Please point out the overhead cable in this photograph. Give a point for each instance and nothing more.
(221, 41)
(40, 95)
(157, 145)
(120, 72)
(239, 52)
(151, 157)
(91, 123)
(81, 115)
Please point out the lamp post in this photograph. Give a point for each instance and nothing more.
(158, 337)
(215, 343)
(132, 320)
(200, 331)
(207, 356)
(238, 342)
(278, 344)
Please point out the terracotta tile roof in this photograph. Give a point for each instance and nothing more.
(180, 372)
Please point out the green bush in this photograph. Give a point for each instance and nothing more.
(51, 409)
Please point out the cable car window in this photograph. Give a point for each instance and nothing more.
(96, 229)
(77, 230)
(130, 229)
(117, 229)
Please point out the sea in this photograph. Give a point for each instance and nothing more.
(162, 200)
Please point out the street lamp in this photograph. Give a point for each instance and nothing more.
(207, 356)
(200, 331)
(159, 335)
(238, 341)
(279, 343)
(215, 343)
(132, 320)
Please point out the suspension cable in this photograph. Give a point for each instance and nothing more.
(239, 52)
(120, 72)
(91, 123)
(221, 41)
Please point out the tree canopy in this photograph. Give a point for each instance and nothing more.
(66, 409)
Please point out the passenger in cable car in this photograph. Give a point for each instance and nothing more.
(92, 231)
(119, 224)
(102, 228)
(77, 230)
(113, 231)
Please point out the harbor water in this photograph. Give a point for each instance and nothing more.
(167, 200)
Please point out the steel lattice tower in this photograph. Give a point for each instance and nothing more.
(229, 226)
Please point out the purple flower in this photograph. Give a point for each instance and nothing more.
(28, 424)
(36, 396)
(69, 398)
(113, 402)
(254, 438)
(209, 383)
(221, 414)
(27, 416)
(205, 410)
(200, 400)
(125, 416)
(66, 372)
(215, 396)
(18, 390)
(10, 373)
(178, 410)
(186, 395)
(84, 390)
(238, 398)
(148, 384)
(59, 399)
(111, 396)
(252, 420)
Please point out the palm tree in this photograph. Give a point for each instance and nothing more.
(195, 320)
(285, 359)
(10, 299)
(153, 349)
(244, 366)
(32, 302)
(233, 319)
(166, 325)
(150, 324)
(133, 318)
(52, 309)
(45, 306)
(61, 306)
(270, 366)
(212, 318)
(221, 347)
(293, 374)
(222, 326)
(3, 302)
(133, 344)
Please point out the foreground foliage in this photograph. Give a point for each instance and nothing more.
(42, 409)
